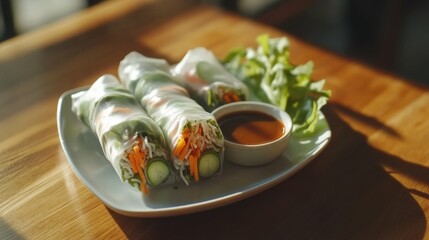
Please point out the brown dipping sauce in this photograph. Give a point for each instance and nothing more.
(250, 127)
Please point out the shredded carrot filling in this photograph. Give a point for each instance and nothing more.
(137, 161)
(227, 98)
(230, 96)
(179, 146)
(183, 147)
(235, 97)
(196, 157)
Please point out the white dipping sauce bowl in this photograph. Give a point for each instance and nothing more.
(258, 154)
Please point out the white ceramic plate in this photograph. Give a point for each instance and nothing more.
(93, 169)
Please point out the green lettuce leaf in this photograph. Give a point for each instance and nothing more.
(271, 77)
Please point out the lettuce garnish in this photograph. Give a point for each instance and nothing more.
(271, 77)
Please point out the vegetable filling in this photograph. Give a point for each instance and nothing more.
(135, 160)
(195, 140)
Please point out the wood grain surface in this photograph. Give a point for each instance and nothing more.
(371, 182)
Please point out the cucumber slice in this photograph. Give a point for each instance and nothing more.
(208, 164)
(157, 172)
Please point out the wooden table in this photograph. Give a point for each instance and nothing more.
(371, 182)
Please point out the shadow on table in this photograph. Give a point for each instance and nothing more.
(343, 194)
(7, 232)
(415, 171)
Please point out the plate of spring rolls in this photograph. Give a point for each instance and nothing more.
(146, 144)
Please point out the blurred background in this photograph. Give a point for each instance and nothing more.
(392, 35)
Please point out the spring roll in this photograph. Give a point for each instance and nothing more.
(193, 135)
(207, 80)
(130, 139)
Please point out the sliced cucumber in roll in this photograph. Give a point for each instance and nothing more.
(209, 164)
(157, 172)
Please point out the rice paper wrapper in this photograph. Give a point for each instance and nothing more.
(209, 83)
(135, 64)
(117, 119)
(172, 109)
